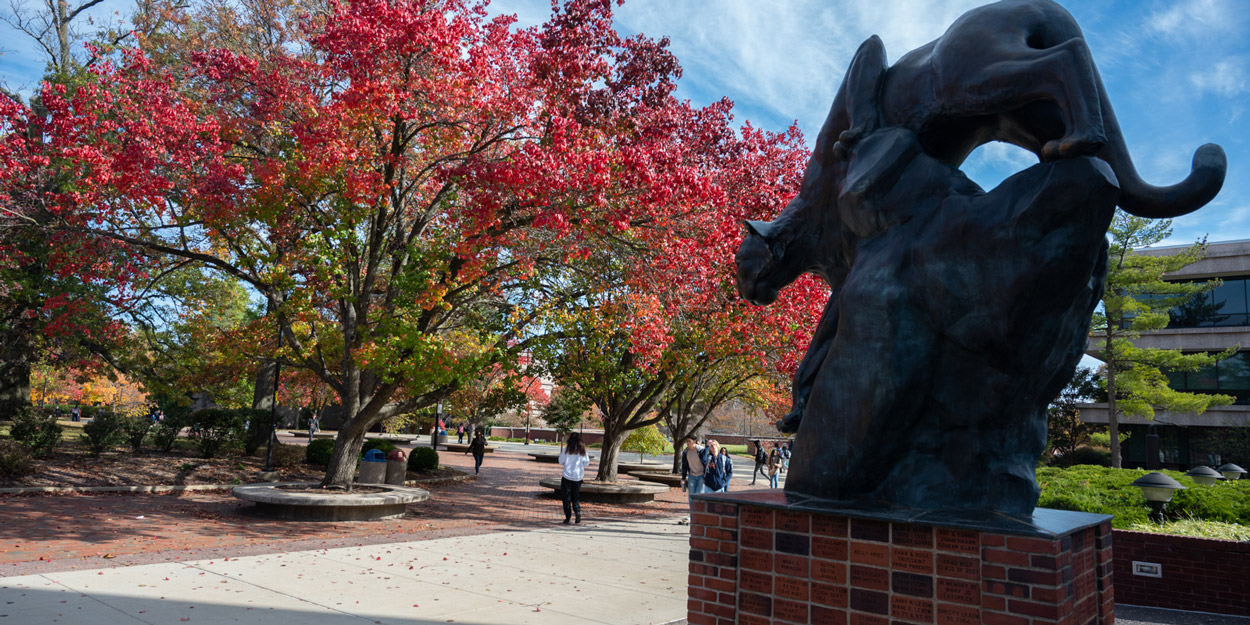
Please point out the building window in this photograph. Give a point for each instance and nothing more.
(1230, 376)
(1226, 305)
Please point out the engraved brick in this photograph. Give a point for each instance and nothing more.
(856, 618)
(911, 560)
(797, 544)
(757, 539)
(956, 566)
(831, 548)
(757, 518)
(791, 611)
(870, 601)
(755, 582)
(794, 566)
(834, 526)
(752, 603)
(960, 541)
(830, 595)
(869, 577)
(911, 609)
(954, 591)
(787, 521)
(876, 531)
(1032, 545)
(872, 554)
(791, 588)
(912, 535)
(827, 616)
(756, 560)
(829, 572)
(911, 584)
(751, 619)
(948, 614)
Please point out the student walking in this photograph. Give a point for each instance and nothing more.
(761, 462)
(574, 459)
(314, 424)
(719, 469)
(785, 457)
(774, 465)
(693, 462)
(460, 434)
(478, 449)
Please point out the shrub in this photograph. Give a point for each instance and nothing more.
(287, 456)
(319, 451)
(1104, 490)
(165, 433)
(15, 460)
(39, 432)
(376, 443)
(214, 429)
(134, 430)
(103, 432)
(423, 459)
(1094, 456)
(645, 440)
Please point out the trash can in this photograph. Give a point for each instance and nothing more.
(396, 467)
(373, 468)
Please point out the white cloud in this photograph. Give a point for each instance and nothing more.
(1197, 19)
(1225, 78)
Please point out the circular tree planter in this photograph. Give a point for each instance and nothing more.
(662, 477)
(302, 501)
(619, 492)
(464, 447)
(645, 465)
(545, 457)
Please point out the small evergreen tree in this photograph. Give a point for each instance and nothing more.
(1066, 431)
(566, 410)
(1137, 300)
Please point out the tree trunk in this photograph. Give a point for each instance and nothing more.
(1113, 421)
(610, 455)
(14, 387)
(262, 397)
(342, 468)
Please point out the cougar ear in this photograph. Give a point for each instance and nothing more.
(761, 229)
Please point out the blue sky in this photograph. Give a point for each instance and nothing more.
(1177, 71)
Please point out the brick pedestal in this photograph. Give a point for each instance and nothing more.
(769, 557)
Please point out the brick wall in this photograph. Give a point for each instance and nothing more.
(1197, 573)
(756, 565)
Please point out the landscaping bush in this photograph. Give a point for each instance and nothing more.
(134, 430)
(39, 432)
(103, 432)
(165, 433)
(1095, 456)
(318, 452)
(215, 429)
(15, 460)
(1104, 490)
(423, 460)
(377, 443)
(287, 456)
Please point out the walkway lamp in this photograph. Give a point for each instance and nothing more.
(1231, 471)
(1157, 488)
(1204, 475)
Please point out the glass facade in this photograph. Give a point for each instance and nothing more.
(1226, 305)
(1230, 376)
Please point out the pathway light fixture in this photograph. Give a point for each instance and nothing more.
(1204, 475)
(1231, 471)
(1157, 488)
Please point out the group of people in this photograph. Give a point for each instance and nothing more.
(771, 464)
(705, 469)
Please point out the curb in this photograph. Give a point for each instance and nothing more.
(70, 490)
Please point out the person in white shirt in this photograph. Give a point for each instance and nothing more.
(574, 460)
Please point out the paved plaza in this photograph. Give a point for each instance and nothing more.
(487, 551)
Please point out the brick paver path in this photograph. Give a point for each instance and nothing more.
(55, 533)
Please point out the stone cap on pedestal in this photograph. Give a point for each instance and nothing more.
(1043, 523)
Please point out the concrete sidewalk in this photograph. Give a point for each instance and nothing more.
(617, 572)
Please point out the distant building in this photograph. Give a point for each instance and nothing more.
(1211, 322)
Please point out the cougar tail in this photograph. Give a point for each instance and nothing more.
(1145, 200)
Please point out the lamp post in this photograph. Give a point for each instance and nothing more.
(1204, 475)
(1157, 488)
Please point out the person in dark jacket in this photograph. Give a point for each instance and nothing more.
(761, 462)
(478, 449)
(719, 469)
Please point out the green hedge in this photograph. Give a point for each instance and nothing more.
(423, 460)
(1104, 490)
(319, 451)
